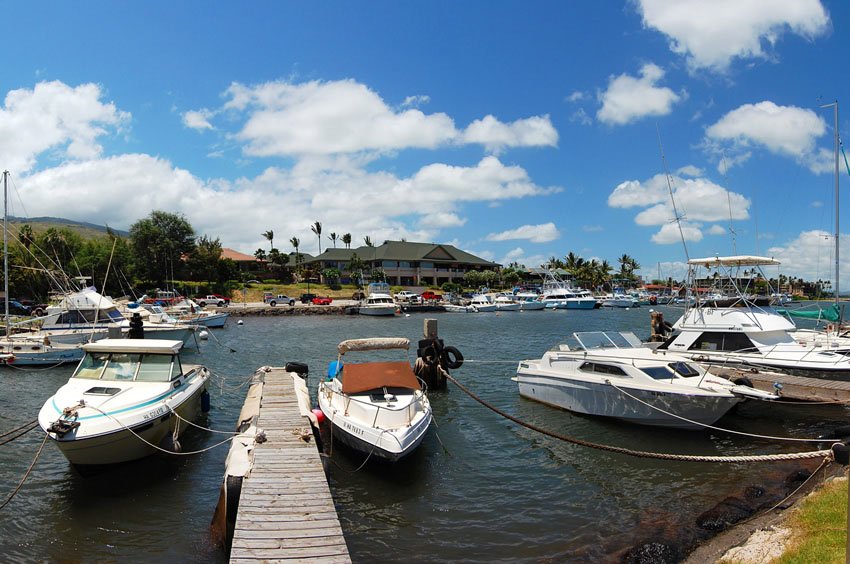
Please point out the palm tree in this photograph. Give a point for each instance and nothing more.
(573, 263)
(295, 243)
(333, 237)
(346, 239)
(317, 229)
(368, 241)
(269, 235)
(26, 235)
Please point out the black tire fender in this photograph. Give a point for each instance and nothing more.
(451, 358)
(743, 381)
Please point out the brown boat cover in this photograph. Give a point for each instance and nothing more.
(367, 376)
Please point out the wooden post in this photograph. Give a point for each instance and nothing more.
(430, 337)
(429, 329)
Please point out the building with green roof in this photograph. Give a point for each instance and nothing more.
(406, 264)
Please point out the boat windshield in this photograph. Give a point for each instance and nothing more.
(606, 339)
(127, 366)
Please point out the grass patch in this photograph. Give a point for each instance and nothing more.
(820, 527)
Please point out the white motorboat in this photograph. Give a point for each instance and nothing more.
(618, 298)
(506, 303)
(558, 294)
(36, 349)
(458, 308)
(126, 399)
(613, 375)
(379, 408)
(529, 301)
(378, 301)
(190, 312)
(482, 303)
(748, 333)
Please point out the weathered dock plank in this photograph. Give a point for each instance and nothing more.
(286, 512)
(794, 387)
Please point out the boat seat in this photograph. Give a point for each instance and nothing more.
(357, 378)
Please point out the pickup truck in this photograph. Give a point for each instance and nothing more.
(407, 296)
(429, 295)
(213, 299)
(273, 300)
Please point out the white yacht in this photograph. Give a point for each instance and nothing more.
(747, 333)
(378, 408)
(613, 375)
(379, 301)
(482, 303)
(558, 294)
(506, 303)
(123, 401)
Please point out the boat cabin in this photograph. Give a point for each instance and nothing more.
(138, 360)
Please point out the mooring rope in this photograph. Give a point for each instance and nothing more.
(706, 426)
(26, 474)
(637, 453)
(26, 428)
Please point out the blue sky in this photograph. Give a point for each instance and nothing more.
(514, 130)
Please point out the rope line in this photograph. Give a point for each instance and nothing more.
(637, 453)
(16, 429)
(27, 473)
(752, 435)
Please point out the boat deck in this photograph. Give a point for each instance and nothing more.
(286, 511)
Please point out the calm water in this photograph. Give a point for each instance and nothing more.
(478, 489)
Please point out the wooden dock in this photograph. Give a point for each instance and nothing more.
(286, 512)
(794, 387)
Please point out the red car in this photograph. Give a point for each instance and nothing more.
(319, 300)
(429, 295)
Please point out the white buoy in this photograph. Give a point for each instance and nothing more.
(239, 322)
(407, 315)
(204, 334)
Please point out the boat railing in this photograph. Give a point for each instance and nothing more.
(419, 401)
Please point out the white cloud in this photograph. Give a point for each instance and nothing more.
(811, 255)
(346, 117)
(629, 99)
(518, 256)
(58, 118)
(711, 34)
(698, 200)
(576, 96)
(442, 219)
(717, 230)
(783, 130)
(542, 233)
(669, 234)
(495, 135)
(198, 119)
(580, 116)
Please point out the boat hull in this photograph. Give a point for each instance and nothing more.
(378, 311)
(601, 399)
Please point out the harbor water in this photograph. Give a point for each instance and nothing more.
(479, 489)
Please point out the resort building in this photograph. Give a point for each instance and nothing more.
(404, 263)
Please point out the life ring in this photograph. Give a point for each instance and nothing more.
(451, 358)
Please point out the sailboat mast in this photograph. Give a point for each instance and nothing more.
(835, 115)
(6, 251)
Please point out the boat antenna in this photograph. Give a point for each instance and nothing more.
(834, 106)
(724, 168)
(676, 217)
(6, 251)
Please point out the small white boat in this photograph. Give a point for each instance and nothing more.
(378, 302)
(379, 408)
(123, 401)
(36, 349)
(457, 308)
(506, 303)
(482, 303)
(619, 299)
(613, 375)
(190, 312)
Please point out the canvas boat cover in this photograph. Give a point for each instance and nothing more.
(739, 260)
(374, 344)
(357, 378)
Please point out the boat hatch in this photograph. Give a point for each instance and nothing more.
(102, 391)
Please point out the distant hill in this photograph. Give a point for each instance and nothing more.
(41, 224)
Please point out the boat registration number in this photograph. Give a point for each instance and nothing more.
(155, 413)
(352, 428)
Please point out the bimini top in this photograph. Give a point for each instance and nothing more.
(740, 260)
(135, 346)
(359, 378)
(373, 344)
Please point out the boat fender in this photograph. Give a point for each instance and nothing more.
(298, 367)
(428, 354)
(451, 358)
(320, 415)
(743, 381)
(841, 453)
(205, 402)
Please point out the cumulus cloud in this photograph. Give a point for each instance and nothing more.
(198, 119)
(717, 230)
(495, 135)
(787, 131)
(55, 117)
(442, 219)
(519, 256)
(542, 233)
(811, 255)
(698, 201)
(711, 34)
(629, 99)
(670, 233)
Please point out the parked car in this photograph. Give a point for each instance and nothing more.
(429, 295)
(407, 296)
(17, 308)
(35, 308)
(273, 300)
(213, 299)
(322, 300)
(307, 298)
